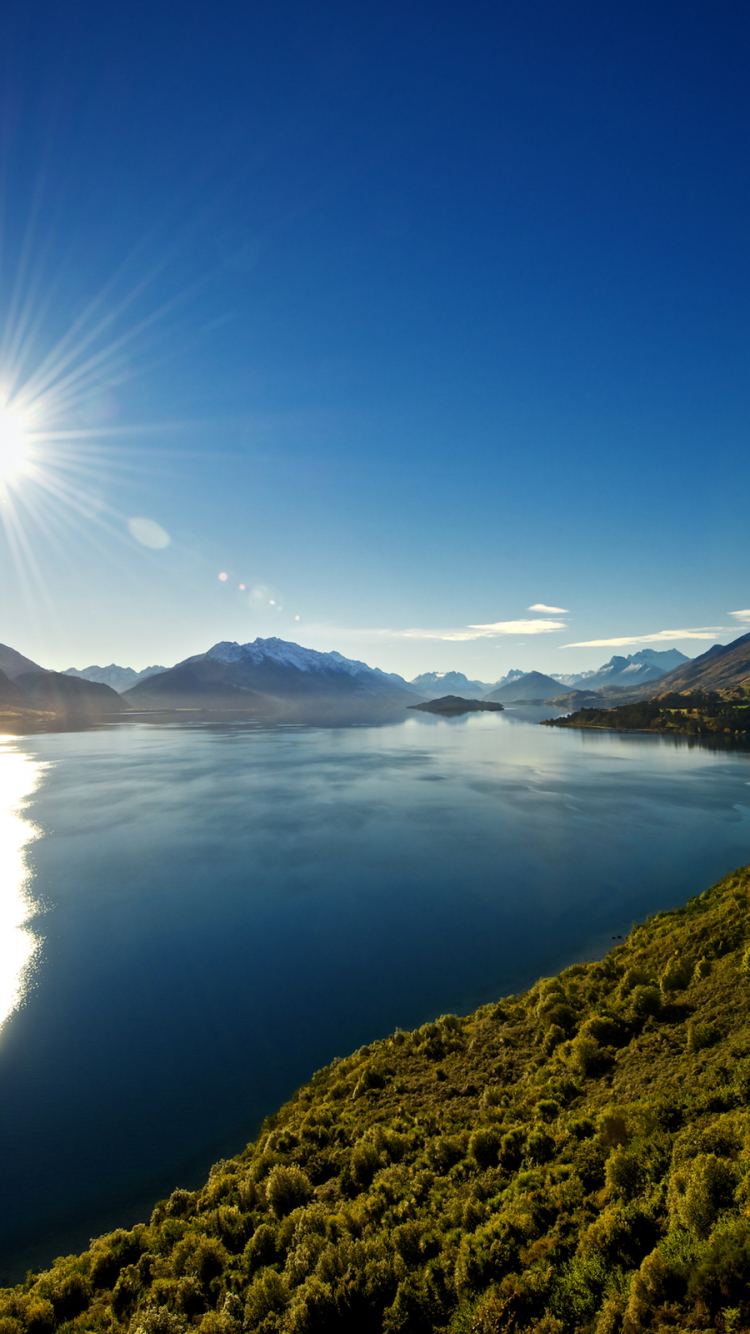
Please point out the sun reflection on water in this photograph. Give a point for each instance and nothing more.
(19, 946)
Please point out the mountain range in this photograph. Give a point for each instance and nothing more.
(274, 678)
(431, 681)
(119, 678)
(635, 669)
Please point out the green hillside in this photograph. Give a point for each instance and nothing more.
(717, 711)
(573, 1159)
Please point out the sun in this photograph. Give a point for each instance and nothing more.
(14, 441)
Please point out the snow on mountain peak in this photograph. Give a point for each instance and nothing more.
(294, 655)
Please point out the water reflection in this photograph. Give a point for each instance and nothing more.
(19, 945)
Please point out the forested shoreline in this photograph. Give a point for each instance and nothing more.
(691, 714)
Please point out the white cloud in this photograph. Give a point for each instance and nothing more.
(460, 635)
(663, 636)
(535, 627)
(551, 611)
(741, 615)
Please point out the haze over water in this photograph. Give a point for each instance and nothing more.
(216, 912)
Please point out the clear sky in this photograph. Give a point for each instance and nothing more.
(413, 319)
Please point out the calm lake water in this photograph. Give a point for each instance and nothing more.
(209, 914)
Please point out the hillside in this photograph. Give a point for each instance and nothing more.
(11, 695)
(12, 663)
(721, 667)
(69, 696)
(693, 713)
(573, 1159)
(38, 698)
(531, 686)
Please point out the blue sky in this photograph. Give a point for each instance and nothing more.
(408, 318)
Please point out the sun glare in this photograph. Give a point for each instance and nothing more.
(19, 944)
(14, 441)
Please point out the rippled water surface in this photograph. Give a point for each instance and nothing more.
(193, 920)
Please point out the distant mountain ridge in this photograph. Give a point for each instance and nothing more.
(429, 681)
(531, 686)
(119, 678)
(448, 681)
(637, 668)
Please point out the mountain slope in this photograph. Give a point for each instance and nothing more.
(570, 1160)
(532, 686)
(635, 669)
(271, 676)
(69, 695)
(13, 663)
(722, 666)
(11, 694)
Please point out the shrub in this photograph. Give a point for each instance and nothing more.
(365, 1162)
(158, 1320)
(552, 1038)
(587, 1057)
(313, 1309)
(485, 1145)
(40, 1316)
(645, 1001)
(701, 1035)
(209, 1259)
(261, 1250)
(624, 1172)
(286, 1189)
(578, 1291)
(676, 975)
(540, 1146)
(547, 1109)
(700, 1192)
(268, 1294)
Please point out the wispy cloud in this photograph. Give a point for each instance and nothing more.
(535, 627)
(460, 635)
(551, 611)
(663, 636)
(741, 615)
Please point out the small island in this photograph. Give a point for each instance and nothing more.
(455, 704)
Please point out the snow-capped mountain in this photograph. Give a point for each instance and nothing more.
(635, 669)
(428, 682)
(119, 678)
(272, 677)
(287, 654)
(447, 683)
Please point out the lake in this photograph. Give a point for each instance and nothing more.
(194, 919)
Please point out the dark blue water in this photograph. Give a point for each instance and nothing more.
(220, 912)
